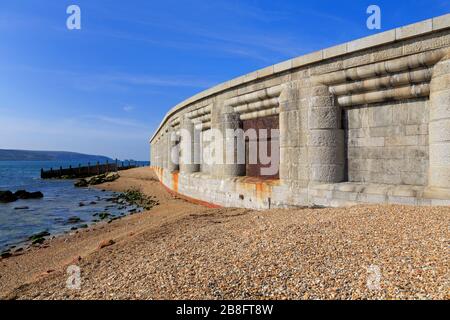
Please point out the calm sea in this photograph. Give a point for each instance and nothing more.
(61, 201)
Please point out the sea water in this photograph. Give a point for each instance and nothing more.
(61, 201)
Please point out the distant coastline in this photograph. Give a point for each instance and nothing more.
(30, 155)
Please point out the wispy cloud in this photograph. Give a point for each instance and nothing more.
(116, 121)
(232, 37)
(91, 81)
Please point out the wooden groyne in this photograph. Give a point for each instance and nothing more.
(86, 171)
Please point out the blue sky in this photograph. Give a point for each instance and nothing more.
(104, 89)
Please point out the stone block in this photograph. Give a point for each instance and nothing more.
(371, 41)
(324, 118)
(335, 51)
(440, 130)
(439, 176)
(380, 116)
(386, 131)
(440, 105)
(402, 200)
(440, 83)
(326, 138)
(400, 114)
(322, 101)
(354, 118)
(421, 129)
(417, 112)
(425, 43)
(440, 154)
(327, 173)
(415, 152)
(441, 22)
(388, 178)
(265, 72)
(283, 66)
(419, 179)
(326, 155)
(289, 129)
(391, 52)
(307, 59)
(441, 69)
(356, 133)
(372, 198)
(414, 29)
(402, 141)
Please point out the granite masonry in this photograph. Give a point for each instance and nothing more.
(363, 122)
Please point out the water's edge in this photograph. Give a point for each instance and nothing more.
(63, 209)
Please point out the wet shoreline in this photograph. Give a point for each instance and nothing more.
(101, 207)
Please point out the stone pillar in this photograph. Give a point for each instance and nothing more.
(160, 153)
(190, 147)
(439, 126)
(205, 165)
(293, 152)
(164, 144)
(157, 155)
(172, 151)
(326, 145)
(230, 123)
(152, 154)
(214, 142)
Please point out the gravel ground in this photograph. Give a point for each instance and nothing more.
(362, 252)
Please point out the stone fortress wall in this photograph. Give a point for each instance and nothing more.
(367, 121)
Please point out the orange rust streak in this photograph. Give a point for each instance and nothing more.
(175, 181)
(159, 171)
(191, 200)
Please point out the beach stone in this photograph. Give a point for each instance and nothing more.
(7, 196)
(39, 235)
(106, 243)
(6, 254)
(103, 215)
(81, 183)
(38, 238)
(23, 194)
(73, 220)
(98, 179)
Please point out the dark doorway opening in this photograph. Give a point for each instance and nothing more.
(268, 123)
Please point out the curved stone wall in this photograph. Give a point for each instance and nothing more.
(365, 121)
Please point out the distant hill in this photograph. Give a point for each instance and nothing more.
(27, 155)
